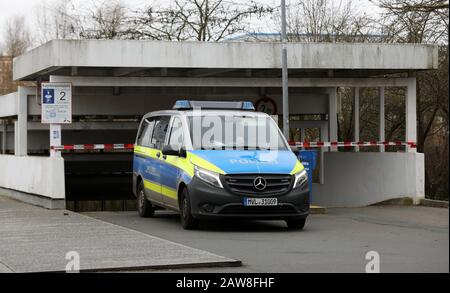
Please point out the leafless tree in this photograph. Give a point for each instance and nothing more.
(16, 37)
(328, 21)
(416, 21)
(54, 21)
(104, 21)
(67, 19)
(201, 20)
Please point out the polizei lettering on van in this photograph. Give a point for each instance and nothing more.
(252, 161)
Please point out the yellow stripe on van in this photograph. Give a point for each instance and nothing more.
(297, 168)
(149, 152)
(169, 192)
(152, 186)
(185, 164)
(160, 189)
(182, 164)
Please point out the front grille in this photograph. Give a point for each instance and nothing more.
(239, 209)
(243, 184)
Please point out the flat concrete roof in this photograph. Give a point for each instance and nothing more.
(236, 59)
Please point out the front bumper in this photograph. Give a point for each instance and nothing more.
(208, 202)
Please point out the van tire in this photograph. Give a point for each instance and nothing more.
(296, 224)
(145, 208)
(187, 221)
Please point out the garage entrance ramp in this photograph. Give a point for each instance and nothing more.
(34, 239)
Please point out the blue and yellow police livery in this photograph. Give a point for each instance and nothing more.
(218, 160)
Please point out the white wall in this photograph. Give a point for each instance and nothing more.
(361, 179)
(42, 176)
(8, 105)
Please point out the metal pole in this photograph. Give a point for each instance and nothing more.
(285, 71)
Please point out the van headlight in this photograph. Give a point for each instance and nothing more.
(209, 177)
(300, 178)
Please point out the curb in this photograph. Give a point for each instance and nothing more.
(409, 201)
(402, 201)
(433, 203)
(317, 210)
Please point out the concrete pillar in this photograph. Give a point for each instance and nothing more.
(332, 116)
(21, 147)
(356, 116)
(382, 135)
(16, 144)
(323, 137)
(411, 113)
(4, 136)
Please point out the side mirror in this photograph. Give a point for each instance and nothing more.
(295, 150)
(170, 150)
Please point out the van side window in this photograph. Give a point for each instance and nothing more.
(176, 134)
(160, 131)
(146, 132)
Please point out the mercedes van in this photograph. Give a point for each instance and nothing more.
(209, 160)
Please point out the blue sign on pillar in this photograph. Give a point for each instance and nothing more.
(309, 161)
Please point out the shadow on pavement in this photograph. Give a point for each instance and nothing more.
(229, 225)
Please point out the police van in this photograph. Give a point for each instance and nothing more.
(209, 160)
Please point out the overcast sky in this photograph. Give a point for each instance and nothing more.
(10, 8)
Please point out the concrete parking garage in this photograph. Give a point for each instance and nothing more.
(116, 82)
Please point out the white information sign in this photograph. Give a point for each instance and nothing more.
(56, 101)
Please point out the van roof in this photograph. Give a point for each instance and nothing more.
(207, 112)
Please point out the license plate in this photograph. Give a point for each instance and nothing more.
(248, 202)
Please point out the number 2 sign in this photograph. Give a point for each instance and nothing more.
(56, 103)
(266, 105)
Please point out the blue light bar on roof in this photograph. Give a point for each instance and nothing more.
(248, 106)
(216, 105)
(182, 104)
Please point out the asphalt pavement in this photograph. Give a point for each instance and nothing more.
(408, 239)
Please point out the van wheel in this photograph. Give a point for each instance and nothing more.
(297, 224)
(145, 208)
(187, 221)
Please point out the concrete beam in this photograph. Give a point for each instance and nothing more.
(208, 72)
(89, 81)
(237, 55)
(37, 126)
(120, 72)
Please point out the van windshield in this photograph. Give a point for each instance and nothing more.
(235, 132)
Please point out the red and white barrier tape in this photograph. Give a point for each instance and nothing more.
(89, 147)
(304, 144)
(320, 144)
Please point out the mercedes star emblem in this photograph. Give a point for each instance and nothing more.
(260, 183)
